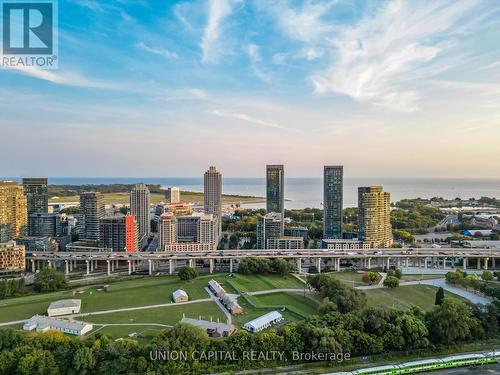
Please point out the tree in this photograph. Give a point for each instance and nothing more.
(281, 266)
(487, 276)
(391, 282)
(187, 273)
(439, 296)
(371, 277)
(49, 280)
(451, 323)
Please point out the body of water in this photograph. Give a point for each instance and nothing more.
(308, 192)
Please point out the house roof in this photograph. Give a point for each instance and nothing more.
(65, 303)
(179, 293)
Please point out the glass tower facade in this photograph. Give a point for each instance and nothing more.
(332, 201)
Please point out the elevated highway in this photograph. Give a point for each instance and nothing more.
(106, 261)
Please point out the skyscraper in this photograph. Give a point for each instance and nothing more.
(139, 207)
(374, 225)
(173, 195)
(36, 191)
(275, 191)
(213, 196)
(118, 233)
(91, 211)
(13, 211)
(332, 201)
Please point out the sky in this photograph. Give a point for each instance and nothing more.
(387, 88)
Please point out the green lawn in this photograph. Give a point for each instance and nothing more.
(145, 333)
(420, 277)
(350, 277)
(250, 313)
(294, 301)
(255, 283)
(420, 295)
(129, 293)
(162, 315)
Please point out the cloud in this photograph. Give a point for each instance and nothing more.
(157, 51)
(304, 24)
(377, 58)
(253, 53)
(63, 78)
(185, 94)
(218, 10)
(248, 118)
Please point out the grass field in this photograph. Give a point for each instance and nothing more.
(163, 315)
(294, 301)
(122, 198)
(351, 278)
(143, 332)
(419, 295)
(420, 277)
(254, 283)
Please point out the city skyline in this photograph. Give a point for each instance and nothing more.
(309, 82)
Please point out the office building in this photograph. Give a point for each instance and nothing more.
(139, 207)
(213, 196)
(39, 243)
(285, 243)
(91, 211)
(374, 225)
(37, 195)
(268, 227)
(344, 244)
(275, 192)
(173, 195)
(332, 202)
(45, 224)
(297, 232)
(12, 257)
(196, 232)
(13, 211)
(119, 233)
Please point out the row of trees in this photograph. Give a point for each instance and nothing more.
(12, 287)
(252, 265)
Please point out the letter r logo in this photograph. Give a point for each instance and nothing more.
(27, 28)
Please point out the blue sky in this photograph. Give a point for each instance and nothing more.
(166, 88)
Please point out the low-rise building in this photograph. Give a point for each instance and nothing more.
(214, 329)
(64, 307)
(231, 304)
(216, 288)
(297, 232)
(180, 296)
(40, 323)
(285, 243)
(12, 257)
(263, 322)
(338, 244)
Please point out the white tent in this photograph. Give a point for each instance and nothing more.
(263, 322)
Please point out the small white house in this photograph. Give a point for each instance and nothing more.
(263, 322)
(40, 323)
(64, 307)
(180, 296)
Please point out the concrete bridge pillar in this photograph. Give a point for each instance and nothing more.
(338, 264)
(150, 267)
(170, 267)
(66, 267)
(92, 266)
(33, 266)
(425, 262)
(88, 267)
(299, 265)
(212, 265)
(190, 262)
(406, 262)
(318, 264)
(109, 267)
(478, 263)
(464, 261)
(230, 266)
(133, 265)
(130, 267)
(486, 263)
(388, 262)
(369, 263)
